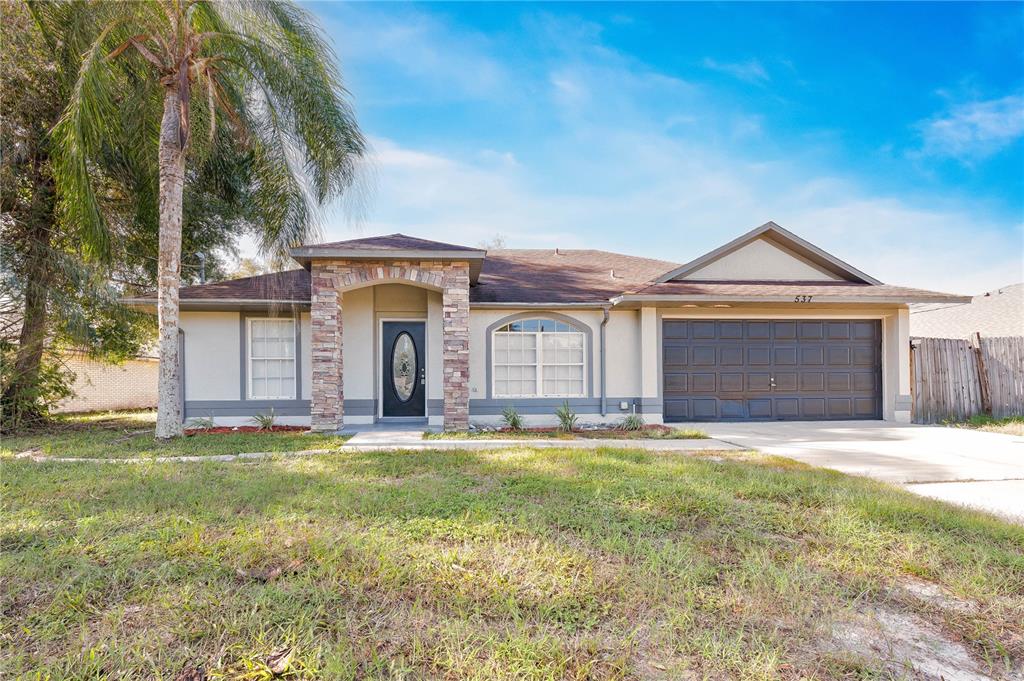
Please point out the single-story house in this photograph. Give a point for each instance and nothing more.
(767, 326)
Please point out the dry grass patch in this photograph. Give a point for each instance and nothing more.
(510, 564)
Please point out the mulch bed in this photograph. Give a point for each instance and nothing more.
(220, 430)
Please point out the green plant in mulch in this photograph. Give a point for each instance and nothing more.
(511, 418)
(265, 421)
(567, 418)
(632, 422)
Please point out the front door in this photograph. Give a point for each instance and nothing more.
(404, 367)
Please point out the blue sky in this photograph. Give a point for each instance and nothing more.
(890, 135)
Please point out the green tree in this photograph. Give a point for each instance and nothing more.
(261, 70)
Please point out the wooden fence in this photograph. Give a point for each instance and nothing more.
(955, 379)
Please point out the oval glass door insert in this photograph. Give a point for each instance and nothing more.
(403, 367)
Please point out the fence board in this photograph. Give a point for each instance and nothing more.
(956, 379)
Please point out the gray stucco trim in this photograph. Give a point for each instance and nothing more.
(203, 408)
(546, 406)
(581, 326)
(243, 347)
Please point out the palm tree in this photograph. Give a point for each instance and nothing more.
(260, 69)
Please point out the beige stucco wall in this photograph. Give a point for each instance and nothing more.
(100, 386)
(211, 355)
(761, 260)
(357, 343)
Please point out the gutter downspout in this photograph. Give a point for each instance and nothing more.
(604, 393)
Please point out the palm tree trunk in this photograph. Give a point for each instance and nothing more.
(172, 182)
(20, 407)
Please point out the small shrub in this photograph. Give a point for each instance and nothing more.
(265, 421)
(202, 423)
(632, 422)
(511, 418)
(566, 418)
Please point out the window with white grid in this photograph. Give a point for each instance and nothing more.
(271, 359)
(538, 358)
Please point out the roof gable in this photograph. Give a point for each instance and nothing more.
(390, 242)
(768, 253)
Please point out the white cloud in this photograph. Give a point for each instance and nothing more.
(688, 201)
(975, 130)
(751, 71)
(650, 164)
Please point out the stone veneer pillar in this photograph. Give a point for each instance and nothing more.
(326, 408)
(329, 277)
(455, 338)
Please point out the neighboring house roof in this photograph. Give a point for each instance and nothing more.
(996, 313)
(591, 277)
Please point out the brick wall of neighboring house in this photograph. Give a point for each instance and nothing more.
(101, 387)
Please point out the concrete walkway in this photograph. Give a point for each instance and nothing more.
(968, 467)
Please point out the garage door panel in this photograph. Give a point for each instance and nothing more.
(812, 407)
(771, 369)
(674, 356)
(785, 381)
(759, 330)
(677, 410)
(730, 330)
(840, 381)
(759, 355)
(704, 355)
(785, 355)
(703, 329)
(676, 383)
(674, 329)
(759, 409)
(731, 355)
(731, 382)
(812, 355)
(812, 381)
(784, 330)
(703, 383)
(706, 408)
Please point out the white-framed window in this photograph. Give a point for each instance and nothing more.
(271, 359)
(538, 358)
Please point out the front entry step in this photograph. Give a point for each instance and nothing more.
(391, 435)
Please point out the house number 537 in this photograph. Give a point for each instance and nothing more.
(802, 299)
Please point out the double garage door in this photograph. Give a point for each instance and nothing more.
(771, 369)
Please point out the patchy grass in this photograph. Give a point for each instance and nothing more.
(1010, 425)
(648, 433)
(510, 564)
(130, 434)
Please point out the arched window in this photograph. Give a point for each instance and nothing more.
(538, 358)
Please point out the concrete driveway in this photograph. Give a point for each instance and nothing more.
(968, 467)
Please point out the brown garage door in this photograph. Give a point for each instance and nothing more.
(772, 369)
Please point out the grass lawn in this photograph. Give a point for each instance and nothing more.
(1011, 425)
(648, 433)
(130, 434)
(509, 564)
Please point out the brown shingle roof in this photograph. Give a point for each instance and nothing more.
(577, 276)
(288, 286)
(815, 289)
(562, 276)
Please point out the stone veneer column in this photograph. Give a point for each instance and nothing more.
(455, 338)
(327, 404)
